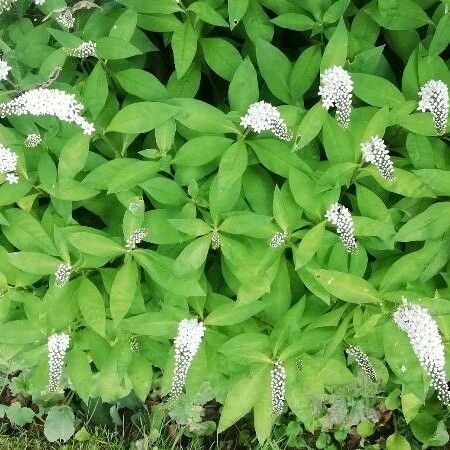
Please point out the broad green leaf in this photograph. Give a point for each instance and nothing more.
(19, 415)
(430, 224)
(59, 424)
(115, 48)
(305, 71)
(37, 263)
(123, 290)
(79, 372)
(95, 90)
(401, 14)
(125, 25)
(335, 53)
(376, 91)
(165, 191)
(397, 442)
(150, 324)
(95, 244)
(133, 174)
(141, 117)
(294, 21)
(207, 13)
(309, 245)
(275, 68)
(310, 126)
(140, 373)
(142, 84)
(236, 10)
(92, 306)
(233, 313)
(201, 150)
(221, 56)
(345, 286)
(192, 256)
(73, 157)
(19, 332)
(184, 46)
(243, 89)
(441, 36)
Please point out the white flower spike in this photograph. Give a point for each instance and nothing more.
(278, 239)
(341, 218)
(426, 342)
(187, 342)
(434, 98)
(336, 90)
(375, 151)
(262, 116)
(48, 102)
(363, 362)
(62, 275)
(8, 164)
(33, 140)
(4, 70)
(58, 345)
(65, 19)
(135, 238)
(278, 387)
(84, 50)
(5, 5)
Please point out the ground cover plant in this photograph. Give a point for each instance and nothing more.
(226, 217)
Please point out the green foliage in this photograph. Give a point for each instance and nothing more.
(173, 208)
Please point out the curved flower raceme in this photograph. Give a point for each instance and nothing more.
(341, 218)
(58, 345)
(48, 102)
(336, 90)
(278, 387)
(426, 342)
(262, 116)
(84, 50)
(376, 152)
(8, 164)
(278, 239)
(187, 342)
(434, 98)
(65, 18)
(363, 362)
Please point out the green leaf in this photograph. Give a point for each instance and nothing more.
(345, 286)
(164, 190)
(236, 11)
(441, 36)
(141, 84)
(401, 14)
(310, 126)
(133, 174)
(140, 373)
(150, 324)
(192, 256)
(125, 25)
(95, 90)
(141, 117)
(242, 396)
(123, 289)
(92, 306)
(37, 263)
(377, 125)
(95, 244)
(201, 150)
(376, 91)
(430, 224)
(243, 89)
(208, 14)
(203, 117)
(59, 424)
(19, 332)
(397, 442)
(233, 313)
(115, 48)
(73, 157)
(335, 53)
(335, 11)
(275, 68)
(184, 46)
(19, 415)
(294, 21)
(309, 245)
(305, 71)
(221, 56)
(79, 372)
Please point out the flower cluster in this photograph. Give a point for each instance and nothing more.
(426, 342)
(375, 151)
(341, 218)
(215, 240)
(62, 275)
(39, 2)
(278, 387)
(434, 98)
(363, 362)
(84, 50)
(8, 164)
(33, 140)
(65, 18)
(134, 344)
(187, 342)
(5, 5)
(262, 116)
(48, 102)
(57, 346)
(336, 88)
(135, 238)
(4, 69)
(278, 239)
